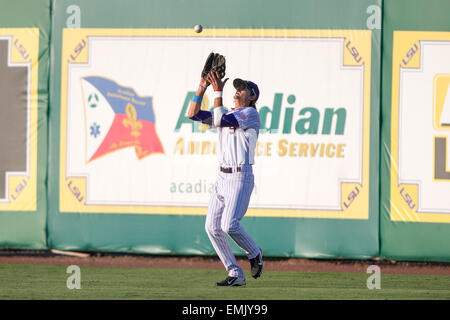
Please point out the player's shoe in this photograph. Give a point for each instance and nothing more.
(257, 265)
(231, 282)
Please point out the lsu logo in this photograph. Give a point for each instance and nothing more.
(116, 118)
(441, 122)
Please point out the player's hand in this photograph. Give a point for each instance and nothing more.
(215, 80)
(204, 83)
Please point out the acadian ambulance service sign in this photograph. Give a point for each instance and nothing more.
(127, 146)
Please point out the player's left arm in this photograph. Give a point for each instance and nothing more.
(220, 119)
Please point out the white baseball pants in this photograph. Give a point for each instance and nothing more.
(227, 206)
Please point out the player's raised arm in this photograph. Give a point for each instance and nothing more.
(196, 102)
(218, 85)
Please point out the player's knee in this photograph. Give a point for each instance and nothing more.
(212, 230)
(230, 228)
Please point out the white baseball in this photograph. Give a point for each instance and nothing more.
(198, 28)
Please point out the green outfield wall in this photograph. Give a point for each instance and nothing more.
(126, 171)
(414, 210)
(24, 72)
(164, 196)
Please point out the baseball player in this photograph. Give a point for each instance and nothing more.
(238, 132)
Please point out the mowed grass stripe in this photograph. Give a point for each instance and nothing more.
(25, 281)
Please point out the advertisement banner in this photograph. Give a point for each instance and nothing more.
(420, 181)
(414, 224)
(18, 123)
(129, 110)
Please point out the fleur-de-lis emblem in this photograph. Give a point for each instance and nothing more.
(131, 121)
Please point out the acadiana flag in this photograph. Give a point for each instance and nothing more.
(117, 118)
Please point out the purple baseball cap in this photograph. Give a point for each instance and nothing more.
(242, 84)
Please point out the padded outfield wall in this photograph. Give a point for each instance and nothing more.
(119, 67)
(415, 174)
(24, 67)
(126, 171)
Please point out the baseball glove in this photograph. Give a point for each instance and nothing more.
(214, 62)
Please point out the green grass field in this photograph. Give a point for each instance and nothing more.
(26, 281)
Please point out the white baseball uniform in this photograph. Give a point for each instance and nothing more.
(231, 196)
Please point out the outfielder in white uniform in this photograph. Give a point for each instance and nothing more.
(238, 132)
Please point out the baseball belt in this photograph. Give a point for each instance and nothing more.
(230, 170)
